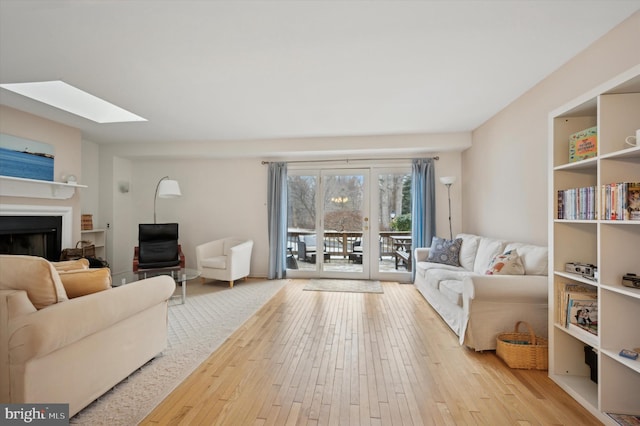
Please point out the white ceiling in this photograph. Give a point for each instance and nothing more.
(222, 70)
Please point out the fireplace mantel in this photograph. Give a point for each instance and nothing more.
(20, 187)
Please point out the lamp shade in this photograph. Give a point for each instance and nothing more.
(448, 180)
(169, 189)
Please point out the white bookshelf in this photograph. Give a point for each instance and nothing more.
(99, 238)
(613, 246)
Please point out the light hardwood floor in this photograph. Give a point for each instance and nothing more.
(320, 358)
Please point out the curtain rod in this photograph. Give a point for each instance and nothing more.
(346, 159)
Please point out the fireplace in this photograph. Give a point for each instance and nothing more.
(35, 230)
(31, 235)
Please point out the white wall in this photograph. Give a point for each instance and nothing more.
(67, 150)
(89, 201)
(220, 198)
(225, 196)
(505, 172)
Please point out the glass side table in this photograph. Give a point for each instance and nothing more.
(180, 275)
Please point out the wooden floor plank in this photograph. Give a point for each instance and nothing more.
(322, 358)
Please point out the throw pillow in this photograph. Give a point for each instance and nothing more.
(33, 274)
(445, 251)
(508, 263)
(70, 265)
(85, 281)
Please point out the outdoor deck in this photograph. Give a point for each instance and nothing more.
(342, 250)
(339, 264)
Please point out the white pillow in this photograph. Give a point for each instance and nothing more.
(508, 263)
(534, 258)
(468, 250)
(488, 248)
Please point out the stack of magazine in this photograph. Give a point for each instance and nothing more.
(578, 308)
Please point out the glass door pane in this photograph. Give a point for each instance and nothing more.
(392, 226)
(345, 223)
(301, 235)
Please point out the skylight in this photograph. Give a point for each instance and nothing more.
(71, 99)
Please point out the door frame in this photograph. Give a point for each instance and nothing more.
(325, 272)
(371, 251)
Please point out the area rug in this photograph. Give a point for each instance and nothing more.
(352, 286)
(212, 312)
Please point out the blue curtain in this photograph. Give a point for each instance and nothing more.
(277, 210)
(423, 204)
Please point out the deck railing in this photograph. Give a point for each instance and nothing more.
(342, 243)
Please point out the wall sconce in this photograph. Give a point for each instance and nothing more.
(123, 186)
(448, 181)
(166, 188)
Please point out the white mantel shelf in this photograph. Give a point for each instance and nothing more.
(31, 188)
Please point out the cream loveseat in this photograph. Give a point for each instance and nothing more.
(57, 348)
(476, 305)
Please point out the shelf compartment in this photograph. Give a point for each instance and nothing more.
(98, 237)
(620, 169)
(560, 280)
(576, 175)
(575, 242)
(619, 387)
(618, 119)
(565, 126)
(618, 329)
(569, 370)
(619, 242)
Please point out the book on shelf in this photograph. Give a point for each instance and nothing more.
(582, 314)
(620, 201)
(626, 419)
(577, 203)
(567, 291)
(583, 144)
(633, 200)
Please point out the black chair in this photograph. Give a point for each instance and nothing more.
(307, 249)
(158, 247)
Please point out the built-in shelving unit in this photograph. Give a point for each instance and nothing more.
(612, 245)
(20, 187)
(98, 237)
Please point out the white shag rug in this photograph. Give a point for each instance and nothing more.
(212, 312)
(352, 286)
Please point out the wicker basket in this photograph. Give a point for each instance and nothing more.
(523, 350)
(86, 249)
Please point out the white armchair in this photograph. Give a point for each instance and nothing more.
(227, 259)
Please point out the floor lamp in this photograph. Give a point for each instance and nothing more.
(166, 188)
(448, 181)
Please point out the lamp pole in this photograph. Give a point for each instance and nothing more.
(448, 181)
(155, 198)
(449, 196)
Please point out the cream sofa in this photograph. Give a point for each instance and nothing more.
(477, 306)
(56, 348)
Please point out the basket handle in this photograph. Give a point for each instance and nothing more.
(532, 334)
(83, 242)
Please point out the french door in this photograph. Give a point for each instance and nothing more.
(328, 223)
(342, 222)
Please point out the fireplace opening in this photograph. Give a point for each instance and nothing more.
(31, 235)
